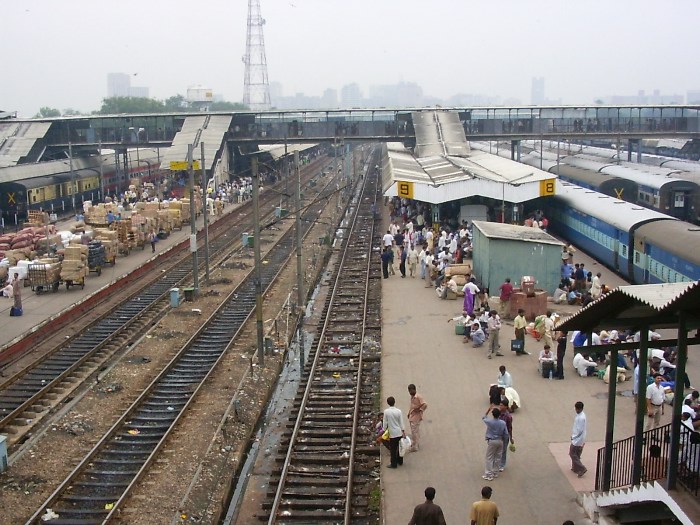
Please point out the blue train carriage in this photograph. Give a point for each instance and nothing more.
(667, 252)
(600, 225)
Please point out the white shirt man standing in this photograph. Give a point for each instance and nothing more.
(393, 422)
(578, 440)
(655, 402)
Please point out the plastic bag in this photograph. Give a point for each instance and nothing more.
(385, 435)
(404, 446)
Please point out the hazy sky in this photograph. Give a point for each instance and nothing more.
(58, 53)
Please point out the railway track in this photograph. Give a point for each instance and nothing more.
(97, 487)
(30, 394)
(328, 470)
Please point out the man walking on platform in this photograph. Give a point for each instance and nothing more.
(496, 435)
(578, 440)
(494, 327)
(656, 396)
(393, 421)
(428, 513)
(415, 415)
(484, 511)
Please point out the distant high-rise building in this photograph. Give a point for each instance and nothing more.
(329, 99)
(119, 85)
(537, 95)
(693, 96)
(351, 96)
(276, 91)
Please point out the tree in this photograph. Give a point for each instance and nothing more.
(115, 105)
(227, 106)
(47, 112)
(176, 103)
(71, 112)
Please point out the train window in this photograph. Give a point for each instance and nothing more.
(679, 200)
(624, 250)
(636, 257)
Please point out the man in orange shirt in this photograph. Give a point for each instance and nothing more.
(415, 415)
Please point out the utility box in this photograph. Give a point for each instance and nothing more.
(3, 453)
(281, 212)
(175, 297)
(244, 239)
(189, 294)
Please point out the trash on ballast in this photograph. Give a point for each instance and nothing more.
(49, 515)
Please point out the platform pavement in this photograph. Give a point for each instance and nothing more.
(537, 487)
(39, 309)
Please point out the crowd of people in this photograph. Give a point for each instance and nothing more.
(424, 251)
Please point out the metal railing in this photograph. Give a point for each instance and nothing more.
(656, 449)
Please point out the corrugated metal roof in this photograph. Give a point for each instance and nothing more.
(497, 230)
(446, 178)
(194, 132)
(18, 139)
(656, 305)
(439, 133)
(278, 150)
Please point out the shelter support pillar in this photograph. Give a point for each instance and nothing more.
(678, 396)
(641, 404)
(515, 150)
(610, 420)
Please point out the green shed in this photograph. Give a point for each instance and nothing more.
(505, 250)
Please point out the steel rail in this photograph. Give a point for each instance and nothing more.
(27, 388)
(92, 493)
(353, 249)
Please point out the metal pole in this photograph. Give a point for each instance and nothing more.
(258, 264)
(678, 392)
(300, 270)
(72, 174)
(641, 402)
(610, 422)
(205, 213)
(102, 175)
(193, 219)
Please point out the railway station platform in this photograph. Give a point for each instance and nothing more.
(537, 486)
(40, 309)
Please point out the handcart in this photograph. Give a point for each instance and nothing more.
(75, 282)
(43, 278)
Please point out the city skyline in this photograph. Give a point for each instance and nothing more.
(466, 50)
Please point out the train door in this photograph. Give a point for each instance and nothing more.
(680, 205)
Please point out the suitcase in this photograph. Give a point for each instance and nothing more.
(547, 367)
(517, 345)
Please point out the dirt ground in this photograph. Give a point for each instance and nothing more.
(190, 479)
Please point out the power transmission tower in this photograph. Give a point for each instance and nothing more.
(256, 88)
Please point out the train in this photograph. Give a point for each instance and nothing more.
(670, 191)
(642, 245)
(47, 185)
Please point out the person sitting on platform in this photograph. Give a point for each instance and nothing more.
(621, 377)
(477, 335)
(573, 297)
(560, 295)
(583, 365)
(546, 356)
(7, 291)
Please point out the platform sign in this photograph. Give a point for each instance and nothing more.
(178, 165)
(404, 189)
(548, 187)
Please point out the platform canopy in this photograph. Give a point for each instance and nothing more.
(277, 151)
(657, 305)
(443, 167)
(443, 178)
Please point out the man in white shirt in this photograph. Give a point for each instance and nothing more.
(388, 239)
(393, 422)
(504, 378)
(656, 396)
(578, 440)
(584, 366)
